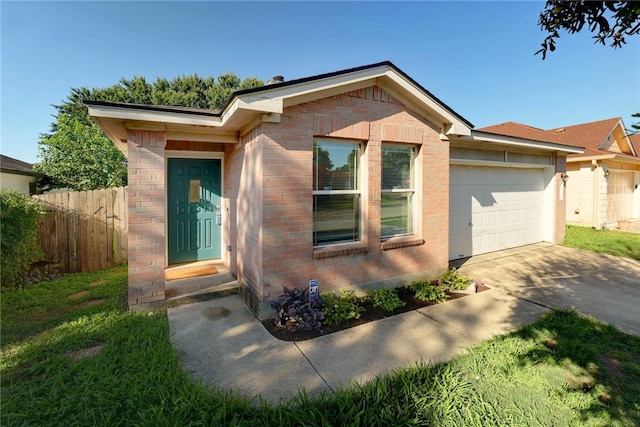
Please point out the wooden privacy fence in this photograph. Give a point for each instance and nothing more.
(85, 230)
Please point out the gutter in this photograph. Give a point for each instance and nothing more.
(479, 136)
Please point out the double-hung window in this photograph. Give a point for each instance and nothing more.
(336, 192)
(397, 190)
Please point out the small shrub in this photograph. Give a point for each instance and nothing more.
(340, 308)
(18, 233)
(427, 291)
(294, 310)
(453, 280)
(386, 298)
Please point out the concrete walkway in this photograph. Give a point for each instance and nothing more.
(221, 343)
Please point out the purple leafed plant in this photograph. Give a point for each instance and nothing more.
(294, 311)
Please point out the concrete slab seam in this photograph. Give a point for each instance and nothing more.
(314, 368)
(526, 299)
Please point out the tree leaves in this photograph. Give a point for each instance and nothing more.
(77, 154)
(571, 16)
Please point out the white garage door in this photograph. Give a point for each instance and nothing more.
(619, 195)
(494, 208)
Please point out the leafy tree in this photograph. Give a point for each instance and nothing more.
(77, 154)
(623, 20)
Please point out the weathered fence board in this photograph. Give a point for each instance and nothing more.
(85, 230)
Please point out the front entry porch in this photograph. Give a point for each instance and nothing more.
(197, 278)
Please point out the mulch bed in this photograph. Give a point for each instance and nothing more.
(370, 314)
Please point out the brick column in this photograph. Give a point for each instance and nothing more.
(147, 216)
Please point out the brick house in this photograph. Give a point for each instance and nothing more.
(357, 178)
(603, 182)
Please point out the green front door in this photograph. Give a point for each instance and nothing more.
(194, 206)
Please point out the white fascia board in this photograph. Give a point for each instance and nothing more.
(261, 104)
(132, 114)
(615, 157)
(477, 136)
(454, 125)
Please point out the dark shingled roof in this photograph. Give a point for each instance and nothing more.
(9, 164)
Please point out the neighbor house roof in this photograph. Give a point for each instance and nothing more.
(635, 142)
(597, 137)
(247, 107)
(18, 167)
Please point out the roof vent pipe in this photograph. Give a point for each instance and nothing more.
(275, 80)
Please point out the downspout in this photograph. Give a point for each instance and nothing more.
(596, 190)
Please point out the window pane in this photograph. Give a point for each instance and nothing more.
(335, 166)
(194, 191)
(396, 167)
(397, 214)
(336, 218)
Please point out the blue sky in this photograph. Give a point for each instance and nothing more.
(477, 57)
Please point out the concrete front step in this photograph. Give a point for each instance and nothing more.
(181, 287)
(204, 294)
(200, 291)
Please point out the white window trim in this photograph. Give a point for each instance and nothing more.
(359, 179)
(414, 216)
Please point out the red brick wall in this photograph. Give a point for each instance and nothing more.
(243, 182)
(372, 116)
(194, 146)
(147, 215)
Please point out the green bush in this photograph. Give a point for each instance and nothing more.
(453, 280)
(18, 233)
(427, 291)
(386, 298)
(340, 308)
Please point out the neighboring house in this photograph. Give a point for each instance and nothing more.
(357, 178)
(603, 182)
(18, 175)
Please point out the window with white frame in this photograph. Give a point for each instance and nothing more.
(336, 192)
(396, 205)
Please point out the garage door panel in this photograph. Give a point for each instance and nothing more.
(619, 195)
(478, 218)
(490, 219)
(505, 206)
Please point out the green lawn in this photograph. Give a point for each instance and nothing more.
(612, 242)
(89, 361)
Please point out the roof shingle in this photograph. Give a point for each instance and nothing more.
(9, 163)
(588, 135)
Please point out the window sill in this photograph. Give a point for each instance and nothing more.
(340, 249)
(401, 242)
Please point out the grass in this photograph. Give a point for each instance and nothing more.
(610, 242)
(563, 370)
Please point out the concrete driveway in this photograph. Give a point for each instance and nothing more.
(602, 286)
